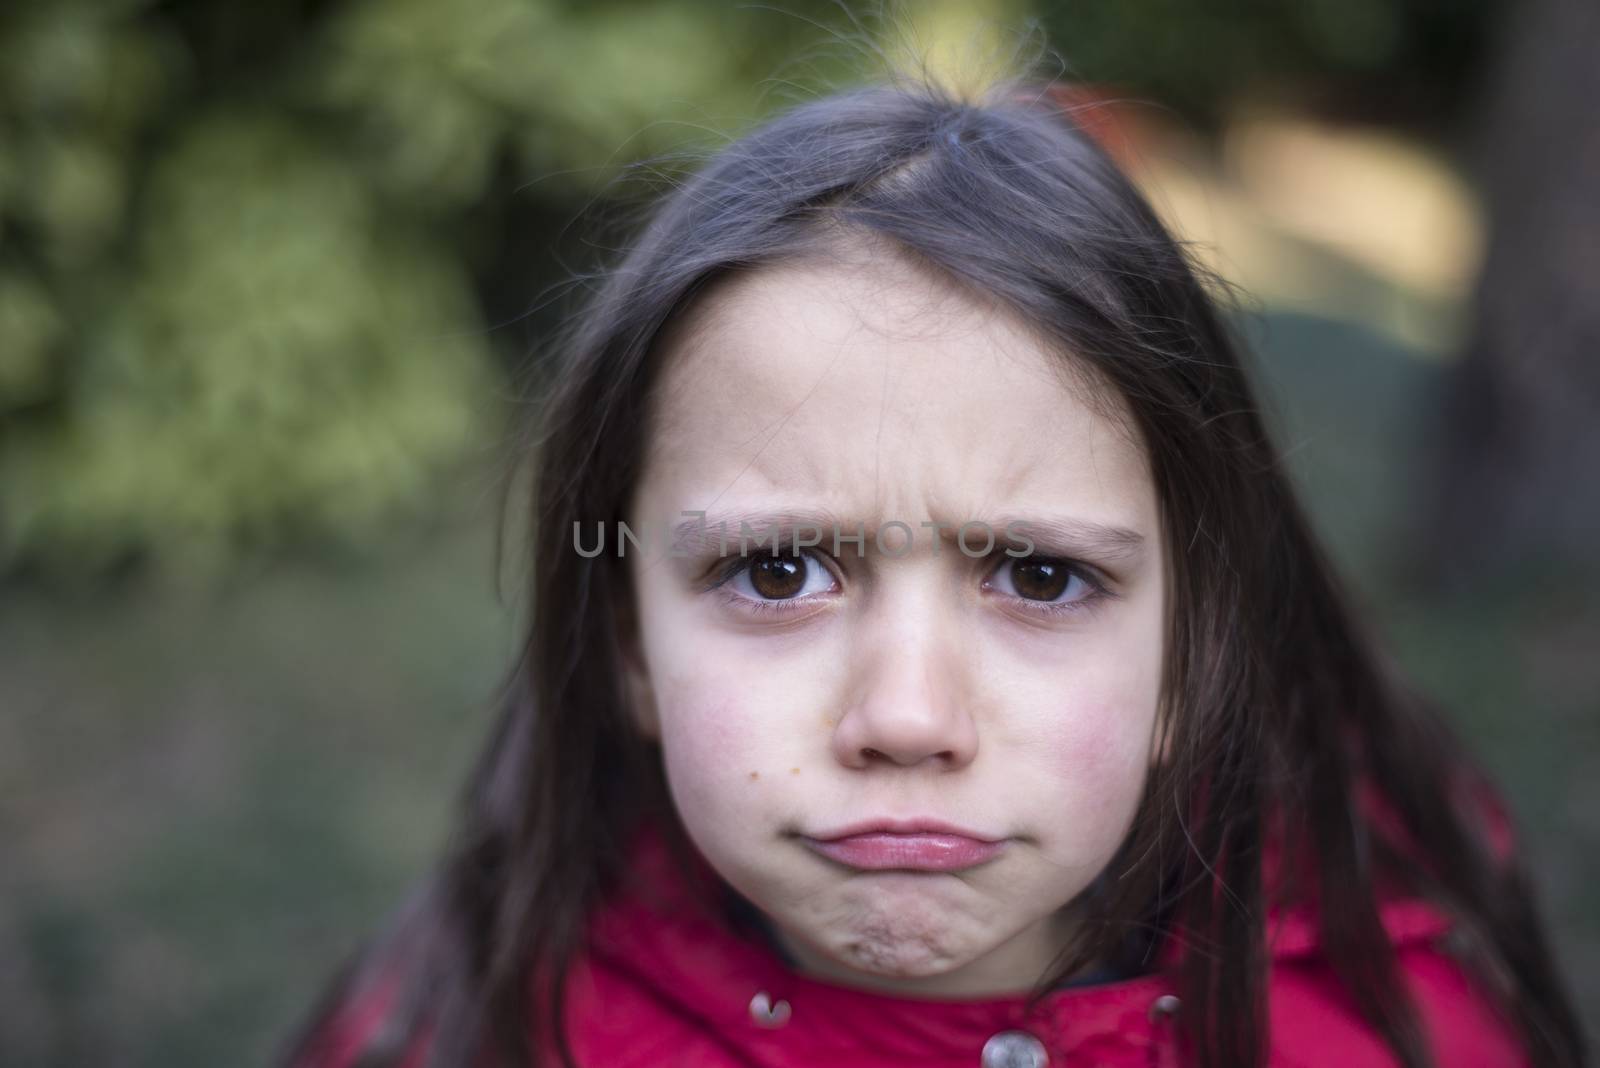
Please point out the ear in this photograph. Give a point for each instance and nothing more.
(638, 695)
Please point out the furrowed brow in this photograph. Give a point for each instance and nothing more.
(715, 532)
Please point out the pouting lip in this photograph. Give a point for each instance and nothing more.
(905, 826)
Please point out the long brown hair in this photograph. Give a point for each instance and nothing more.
(1275, 702)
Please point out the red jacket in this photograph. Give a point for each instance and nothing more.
(666, 983)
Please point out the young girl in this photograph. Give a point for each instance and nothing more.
(929, 663)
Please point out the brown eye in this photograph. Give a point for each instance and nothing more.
(767, 583)
(1045, 583)
(1040, 580)
(778, 578)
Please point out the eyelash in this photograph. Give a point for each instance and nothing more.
(1098, 590)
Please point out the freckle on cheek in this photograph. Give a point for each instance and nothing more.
(754, 775)
(794, 771)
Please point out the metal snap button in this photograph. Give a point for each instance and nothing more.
(767, 1013)
(1164, 1007)
(1014, 1049)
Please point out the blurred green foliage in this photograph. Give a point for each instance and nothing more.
(211, 330)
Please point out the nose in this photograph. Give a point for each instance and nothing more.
(908, 701)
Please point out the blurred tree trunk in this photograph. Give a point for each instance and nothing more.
(1519, 478)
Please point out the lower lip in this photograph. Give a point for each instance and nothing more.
(919, 852)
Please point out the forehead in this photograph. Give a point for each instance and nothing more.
(870, 385)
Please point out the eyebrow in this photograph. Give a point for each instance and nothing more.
(1058, 534)
(1071, 534)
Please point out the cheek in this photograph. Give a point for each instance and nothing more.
(1100, 748)
(730, 720)
(1095, 740)
(721, 743)
(708, 729)
(704, 738)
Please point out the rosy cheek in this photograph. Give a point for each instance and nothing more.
(1099, 752)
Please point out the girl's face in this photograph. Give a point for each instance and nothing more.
(1013, 697)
